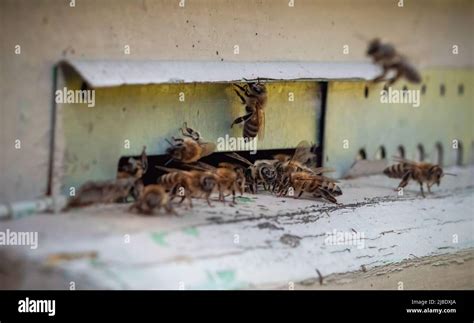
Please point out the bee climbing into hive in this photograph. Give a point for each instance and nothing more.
(191, 148)
(135, 169)
(254, 96)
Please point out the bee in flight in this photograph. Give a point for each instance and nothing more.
(254, 96)
(386, 56)
(421, 172)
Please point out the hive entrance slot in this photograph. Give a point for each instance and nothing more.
(153, 173)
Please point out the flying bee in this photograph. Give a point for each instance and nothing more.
(135, 168)
(102, 192)
(421, 172)
(191, 148)
(254, 96)
(153, 197)
(386, 56)
(260, 172)
(312, 183)
(200, 184)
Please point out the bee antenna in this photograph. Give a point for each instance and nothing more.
(450, 174)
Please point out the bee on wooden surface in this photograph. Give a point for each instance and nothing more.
(386, 56)
(153, 198)
(303, 159)
(260, 172)
(230, 178)
(191, 148)
(421, 172)
(178, 183)
(135, 168)
(187, 184)
(102, 192)
(314, 184)
(254, 96)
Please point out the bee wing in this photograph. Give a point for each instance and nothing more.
(261, 123)
(320, 170)
(240, 158)
(168, 170)
(282, 157)
(322, 178)
(303, 152)
(403, 160)
(199, 165)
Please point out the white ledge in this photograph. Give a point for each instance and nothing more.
(104, 73)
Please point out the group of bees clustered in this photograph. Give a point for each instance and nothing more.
(283, 175)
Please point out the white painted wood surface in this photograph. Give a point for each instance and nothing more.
(102, 73)
(263, 241)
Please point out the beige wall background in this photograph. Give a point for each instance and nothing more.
(49, 30)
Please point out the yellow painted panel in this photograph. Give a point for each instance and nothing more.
(95, 137)
(367, 123)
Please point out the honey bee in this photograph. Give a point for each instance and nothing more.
(102, 192)
(135, 168)
(177, 182)
(189, 184)
(254, 96)
(261, 172)
(303, 159)
(153, 197)
(313, 183)
(421, 172)
(230, 178)
(386, 56)
(191, 148)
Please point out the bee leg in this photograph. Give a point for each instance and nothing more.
(299, 194)
(429, 188)
(208, 200)
(421, 189)
(243, 89)
(242, 99)
(241, 119)
(328, 196)
(395, 78)
(381, 76)
(233, 197)
(169, 209)
(405, 180)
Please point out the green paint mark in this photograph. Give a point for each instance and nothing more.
(159, 238)
(191, 231)
(226, 276)
(244, 199)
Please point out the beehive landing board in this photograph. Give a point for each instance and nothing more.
(264, 241)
